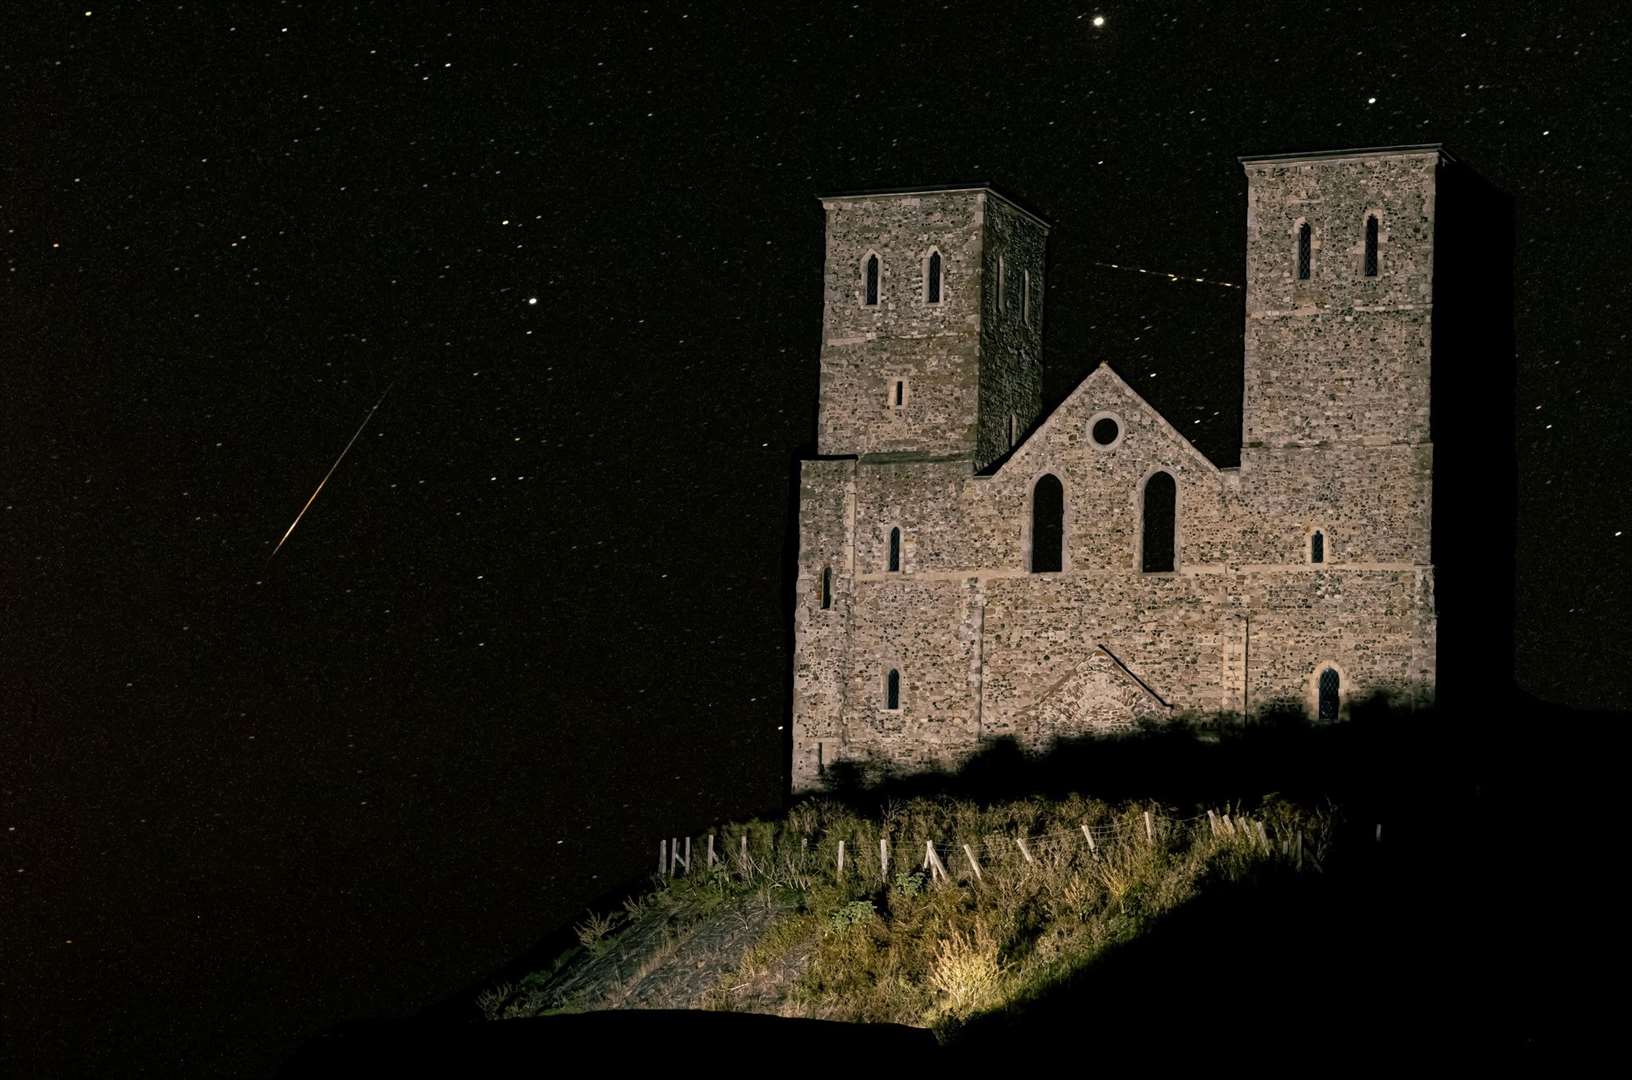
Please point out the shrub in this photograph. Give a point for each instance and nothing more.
(854, 913)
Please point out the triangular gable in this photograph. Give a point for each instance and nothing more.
(1094, 378)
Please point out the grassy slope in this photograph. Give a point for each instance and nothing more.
(786, 934)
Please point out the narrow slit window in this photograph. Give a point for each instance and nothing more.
(1047, 524)
(1013, 425)
(872, 281)
(1304, 240)
(895, 549)
(1002, 294)
(898, 393)
(1025, 296)
(827, 587)
(1371, 245)
(892, 689)
(1317, 548)
(932, 287)
(1160, 523)
(1328, 694)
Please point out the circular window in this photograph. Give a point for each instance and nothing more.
(1106, 430)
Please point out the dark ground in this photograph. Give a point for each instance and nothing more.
(1469, 935)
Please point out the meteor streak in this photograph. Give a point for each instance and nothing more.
(328, 474)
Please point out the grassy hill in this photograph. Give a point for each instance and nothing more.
(1019, 898)
(1422, 888)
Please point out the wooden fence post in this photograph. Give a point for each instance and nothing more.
(1212, 822)
(841, 858)
(932, 862)
(1088, 836)
(1229, 826)
(1150, 829)
(674, 855)
(688, 855)
(1020, 841)
(975, 865)
(662, 857)
(745, 854)
(1299, 850)
(883, 859)
(1263, 835)
(711, 850)
(1379, 832)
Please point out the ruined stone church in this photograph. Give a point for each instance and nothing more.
(969, 568)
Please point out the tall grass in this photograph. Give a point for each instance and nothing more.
(890, 944)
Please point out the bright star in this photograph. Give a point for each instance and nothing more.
(532, 299)
(1099, 20)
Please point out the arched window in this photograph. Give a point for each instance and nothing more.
(1304, 236)
(895, 549)
(932, 278)
(872, 281)
(1161, 499)
(1371, 245)
(892, 689)
(1328, 694)
(1047, 524)
(827, 587)
(1317, 547)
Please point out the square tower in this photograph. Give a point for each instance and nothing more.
(1379, 383)
(932, 321)
(1340, 292)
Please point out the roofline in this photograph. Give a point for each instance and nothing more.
(979, 185)
(1353, 152)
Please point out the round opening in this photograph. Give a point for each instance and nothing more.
(1105, 431)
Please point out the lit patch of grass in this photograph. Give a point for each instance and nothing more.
(884, 943)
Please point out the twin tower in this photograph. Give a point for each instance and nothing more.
(969, 568)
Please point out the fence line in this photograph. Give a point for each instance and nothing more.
(674, 853)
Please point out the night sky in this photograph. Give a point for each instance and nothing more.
(539, 615)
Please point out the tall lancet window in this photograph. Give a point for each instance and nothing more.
(1304, 238)
(892, 689)
(1328, 694)
(1317, 547)
(1161, 499)
(932, 275)
(827, 587)
(895, 549)
(872, 281)
(1047, 524)
(1371, 245)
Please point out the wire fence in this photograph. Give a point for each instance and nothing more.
(747, 850)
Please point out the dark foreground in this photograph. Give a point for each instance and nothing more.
(596, 1041)
(1479, 930)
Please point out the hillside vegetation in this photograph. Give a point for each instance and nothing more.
(1035, 893)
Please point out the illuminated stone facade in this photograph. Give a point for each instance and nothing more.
(930, 429)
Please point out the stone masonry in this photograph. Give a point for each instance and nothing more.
(1335, 441)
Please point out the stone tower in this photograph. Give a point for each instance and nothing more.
(1339, 298)
(931, 324)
